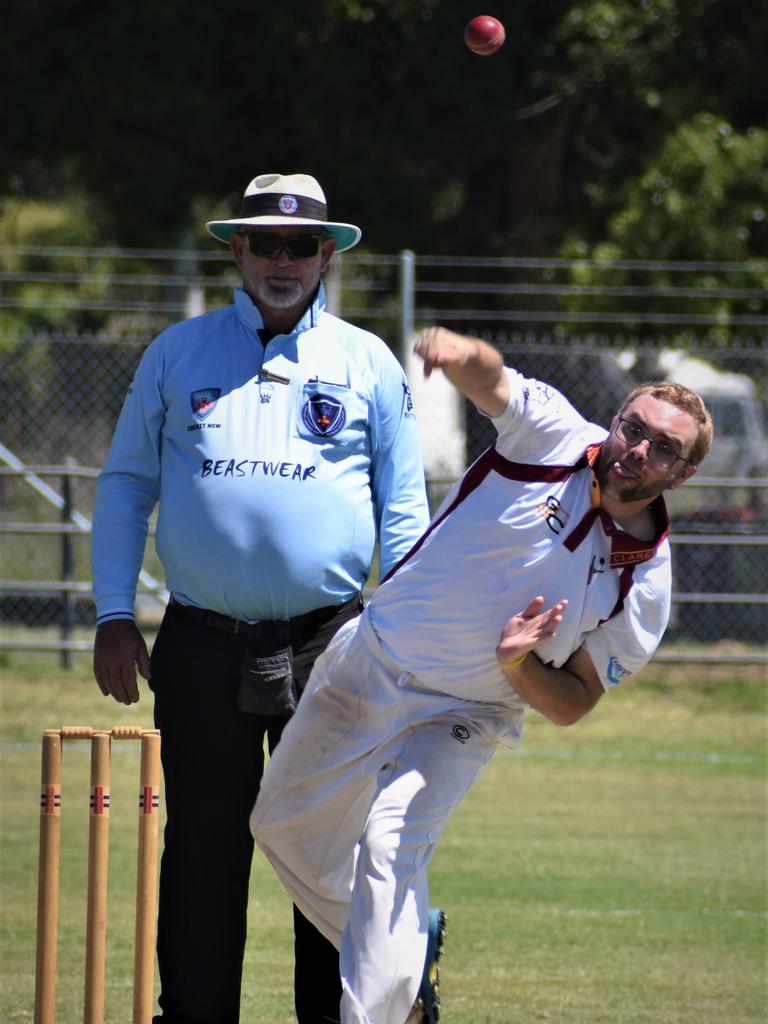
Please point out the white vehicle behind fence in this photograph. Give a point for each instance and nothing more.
(740, 445)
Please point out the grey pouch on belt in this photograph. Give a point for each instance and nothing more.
(267, 685)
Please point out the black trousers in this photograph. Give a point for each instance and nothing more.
(213, 761)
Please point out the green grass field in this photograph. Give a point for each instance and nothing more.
(611, 873)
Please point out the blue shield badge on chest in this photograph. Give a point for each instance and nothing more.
(323, 415)
(204, 401)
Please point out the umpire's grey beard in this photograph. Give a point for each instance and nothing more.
(280, 292)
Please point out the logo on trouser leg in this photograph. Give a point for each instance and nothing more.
(460, 733)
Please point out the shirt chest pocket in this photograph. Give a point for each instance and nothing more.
(331, 414)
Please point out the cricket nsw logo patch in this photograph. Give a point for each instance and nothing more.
(323, 415)
(204, 401)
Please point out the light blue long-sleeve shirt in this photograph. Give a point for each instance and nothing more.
(275, 467)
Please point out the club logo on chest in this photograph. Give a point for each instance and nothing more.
(323, 415)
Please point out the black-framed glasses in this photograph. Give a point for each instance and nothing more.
(659, 452)
(270, 245)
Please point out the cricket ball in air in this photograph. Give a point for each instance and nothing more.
(484, 35)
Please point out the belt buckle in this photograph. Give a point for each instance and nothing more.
(234, 627)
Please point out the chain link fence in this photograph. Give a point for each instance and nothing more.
(63, 390)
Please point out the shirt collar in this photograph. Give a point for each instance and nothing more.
(625, 549)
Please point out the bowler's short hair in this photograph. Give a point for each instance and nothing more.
(685, 399)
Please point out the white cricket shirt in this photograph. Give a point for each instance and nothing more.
(522, 522)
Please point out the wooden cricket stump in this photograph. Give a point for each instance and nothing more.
(98, 871)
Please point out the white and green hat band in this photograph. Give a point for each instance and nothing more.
(280, 200)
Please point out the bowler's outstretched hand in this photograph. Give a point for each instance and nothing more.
(526, 630)
(471, 365)
(442, 349)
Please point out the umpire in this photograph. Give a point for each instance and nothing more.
(279, 444)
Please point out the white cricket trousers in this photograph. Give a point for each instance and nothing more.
(352, 804)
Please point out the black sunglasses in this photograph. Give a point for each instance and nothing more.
(299, 247)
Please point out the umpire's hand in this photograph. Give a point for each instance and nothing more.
(119, 649)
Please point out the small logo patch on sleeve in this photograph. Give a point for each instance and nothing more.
(616, 672)
(409, 414)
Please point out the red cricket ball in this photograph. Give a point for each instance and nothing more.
(484, 35)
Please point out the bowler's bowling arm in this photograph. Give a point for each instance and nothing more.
(471, 365)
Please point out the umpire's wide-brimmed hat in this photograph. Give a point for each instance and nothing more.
(280, 200)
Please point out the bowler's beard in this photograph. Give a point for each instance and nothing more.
(640, 491)
(279, 292)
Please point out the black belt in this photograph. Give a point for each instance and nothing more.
(225, 624)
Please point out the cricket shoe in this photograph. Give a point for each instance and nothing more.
(426, 1009)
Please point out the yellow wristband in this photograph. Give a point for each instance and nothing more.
(517, 661)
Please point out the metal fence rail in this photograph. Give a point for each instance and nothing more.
(119, 291)
(74, 323)
(46, 601)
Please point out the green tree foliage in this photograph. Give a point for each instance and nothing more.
(157, 111)
(703, 197)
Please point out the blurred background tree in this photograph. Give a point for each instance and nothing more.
(594, 125)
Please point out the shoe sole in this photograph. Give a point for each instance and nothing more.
(430, 985)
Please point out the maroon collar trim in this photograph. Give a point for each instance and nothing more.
(625, 549)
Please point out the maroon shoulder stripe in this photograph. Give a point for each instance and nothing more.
(492, 462)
